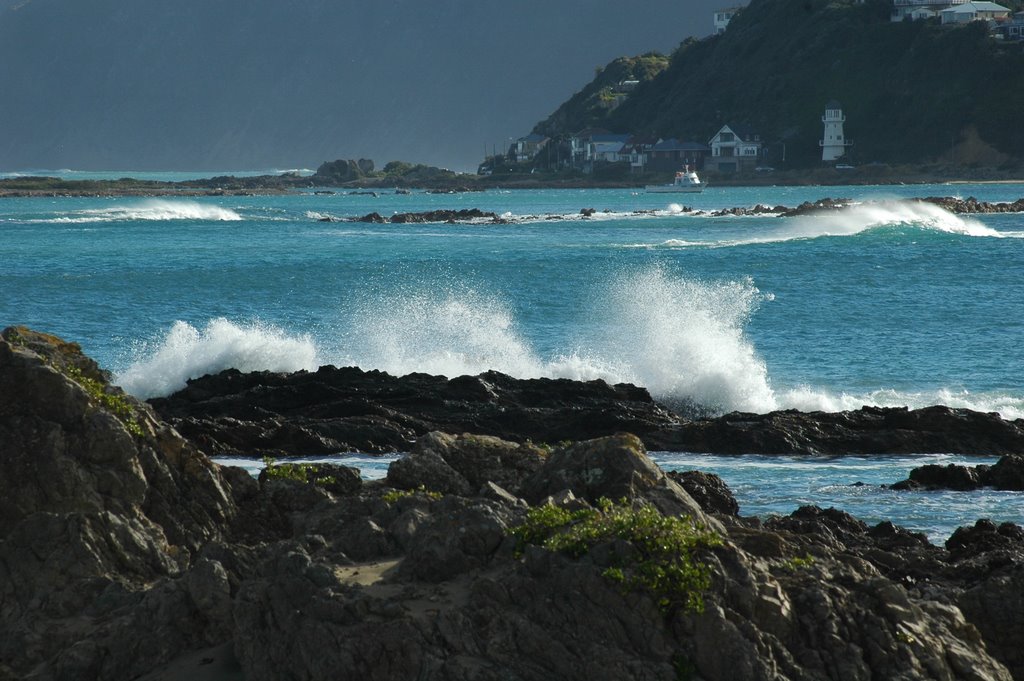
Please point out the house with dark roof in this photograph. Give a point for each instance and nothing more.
(734, 148)
(671, 154)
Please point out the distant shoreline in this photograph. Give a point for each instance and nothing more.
(41, 186)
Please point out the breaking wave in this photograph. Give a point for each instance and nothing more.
(149, 210)
(683, 339)
(163, 367)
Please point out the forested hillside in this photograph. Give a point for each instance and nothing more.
(911, 91)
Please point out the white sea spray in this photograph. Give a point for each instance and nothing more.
(186, 352)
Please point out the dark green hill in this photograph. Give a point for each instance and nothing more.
(911, 91)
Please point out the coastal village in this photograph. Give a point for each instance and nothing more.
(735, 147)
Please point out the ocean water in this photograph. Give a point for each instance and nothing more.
(889, 303)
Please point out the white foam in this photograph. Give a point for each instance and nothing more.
(806, 398)
(150, 209)
(186, 352)
(682, 339)
(859, 218)
(442, 332)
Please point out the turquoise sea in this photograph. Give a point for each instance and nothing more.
(889, 303)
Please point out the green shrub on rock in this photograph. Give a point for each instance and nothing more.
(662, 560)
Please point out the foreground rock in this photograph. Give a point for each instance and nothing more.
(334, 410)
(125, 553)
(104, 510)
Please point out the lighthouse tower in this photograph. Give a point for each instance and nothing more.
(833, 143)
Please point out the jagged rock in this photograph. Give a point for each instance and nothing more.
(868, 430)
(374, 217)
(480, 459)
(984, 536)
(1005, 474)
(971, 205)
(708, 490)
(933, 476)
(374, 412)
(612, 468)
(114, 578)
(99, 499)
(429, 471)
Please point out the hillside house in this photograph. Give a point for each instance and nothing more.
(671, 155)
(579, 145)
(723, 17)
(1012, 28)
(734, 148)
(637, 151)
(974, 11)
(526, 148)
(920, 9)
(606, 148)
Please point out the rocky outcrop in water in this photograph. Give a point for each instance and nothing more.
(1005, 474)
(126, 553)
(448, 216)
(334, 410)
(971, 205)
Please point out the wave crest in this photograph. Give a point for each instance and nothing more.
(151, 210)
(186, 352)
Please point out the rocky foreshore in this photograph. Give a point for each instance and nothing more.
(125, 553)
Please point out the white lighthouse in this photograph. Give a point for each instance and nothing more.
(833, 143)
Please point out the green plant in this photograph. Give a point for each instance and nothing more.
(399, 494)
(298, 472)
(684, 668)
(798, 562)
(116, 403)
(663, 558)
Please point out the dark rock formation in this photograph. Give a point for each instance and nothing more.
(449, 216)
(971, 205)
(125, 553)
(1006, 474)
(868, 430)
(101, 506)
(334, 410)
(933, 476)
(708, 490)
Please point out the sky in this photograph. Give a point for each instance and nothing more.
(254, 84)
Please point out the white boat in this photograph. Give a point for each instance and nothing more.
(685, 182)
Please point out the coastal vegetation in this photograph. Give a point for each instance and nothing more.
(655, 553)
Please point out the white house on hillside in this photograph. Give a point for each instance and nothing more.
(723, 17)
(733, 148)
(920, 9)
(974, 11)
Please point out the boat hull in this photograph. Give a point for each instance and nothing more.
(672, 189)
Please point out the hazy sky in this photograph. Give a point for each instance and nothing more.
(237, 84)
